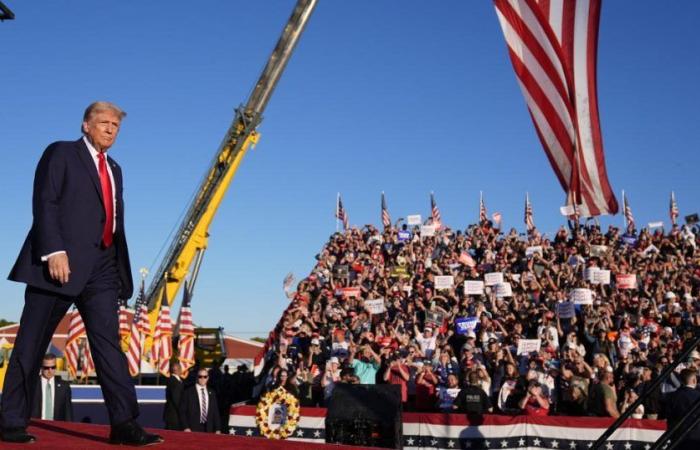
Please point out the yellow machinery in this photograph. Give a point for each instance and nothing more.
(187, 248)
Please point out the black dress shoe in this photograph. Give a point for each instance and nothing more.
(17, 435)
(131, 433)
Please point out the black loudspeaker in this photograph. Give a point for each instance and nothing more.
(365, 414)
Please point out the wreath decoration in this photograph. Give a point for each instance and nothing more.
(277, 414)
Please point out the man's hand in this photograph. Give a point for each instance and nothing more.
(187, 430)
(58, 267)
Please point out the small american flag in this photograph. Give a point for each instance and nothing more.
(341, 215)
(386, 219)
(435, 212)
(186, 333)
(529, 221)
(123, 319)
(76, 330)
(140, 327)
(673, 211)
(483, 216)
(87, 364)
(629, 218)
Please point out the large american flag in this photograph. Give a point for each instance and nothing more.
(435, 212)
(629, 218)
(341, 214)
(553, 46)
(76, 330)
(386, 219)
(483, 215)
(529, 220)
(87, 365)
(673, 209)
(185, 346)
(162, 349)
(123, 321)
(140, 328)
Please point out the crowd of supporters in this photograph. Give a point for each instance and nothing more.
(594, 363)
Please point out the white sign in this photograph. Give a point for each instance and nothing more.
(526, 346)
(474, 287)
(581, 296)
(626, 281)
(589, 273)
(566, 310)
(656, 225)
(599, 250)
(444, 281)
(427, 230)
(414, 219)
(567, 210)
(503, 290)
(493, 278)
(601, 277)
(532, 250)
(375, 306)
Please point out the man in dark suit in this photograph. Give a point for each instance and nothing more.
(173, 398)
(75, 252)
(52, 396)
(199, 410)
(677, 404)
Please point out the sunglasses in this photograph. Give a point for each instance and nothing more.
(203, 376)
(48, 367)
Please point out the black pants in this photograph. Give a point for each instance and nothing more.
(43, 310)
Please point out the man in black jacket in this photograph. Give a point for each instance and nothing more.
(52, 396)
(199, 410)
(173, 398)
(677, 404)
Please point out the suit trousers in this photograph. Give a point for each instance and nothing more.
(43, 310)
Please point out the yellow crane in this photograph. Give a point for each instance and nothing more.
(189, 243)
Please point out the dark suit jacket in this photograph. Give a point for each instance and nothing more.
(62, 401)
(173, 398)
(676, 406)
(69, 215)
(189, 411)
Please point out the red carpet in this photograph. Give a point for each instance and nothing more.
(76, 436)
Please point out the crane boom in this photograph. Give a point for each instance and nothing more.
(191, 239)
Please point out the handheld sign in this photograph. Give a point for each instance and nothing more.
(434, 318)
(581, 296)
(601, 277)
(474, 287)
(349, 292)
(653, 225)
(493, 278)
(404, 235)
(526, 346)
(532, 250)
(503, 290)
(566, 310)
(444, 281)
(589, 273)
(414, 219)
(427, 230)
(567, 210)
(464, 325)
(626, 281)
(375, 306)
(599, 250)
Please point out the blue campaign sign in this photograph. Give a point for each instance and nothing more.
(404, 235)
(629, 239)
(463, 325)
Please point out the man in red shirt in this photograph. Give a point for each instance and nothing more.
(398, 373)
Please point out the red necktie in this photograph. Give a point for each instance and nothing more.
(108, 201)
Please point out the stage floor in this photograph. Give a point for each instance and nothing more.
(76, 436)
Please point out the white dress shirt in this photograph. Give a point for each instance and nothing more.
(95, 158)
(52, 382)
(202, 392)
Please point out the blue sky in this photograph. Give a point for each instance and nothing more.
(405, 97)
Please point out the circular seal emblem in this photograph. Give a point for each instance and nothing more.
(277, 414)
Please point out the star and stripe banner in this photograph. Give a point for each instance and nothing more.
(673, 209)
(455, 431)
(483, 215)
(140, 328)
(185, 345)
(124, 329)
(341, 214)
(162, 348)
(553, 47)
(435, 212)
(386, 218)
(629, 217)
(529, 219)
(87, 364)
(76, 331)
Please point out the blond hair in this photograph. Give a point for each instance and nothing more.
(96, 107)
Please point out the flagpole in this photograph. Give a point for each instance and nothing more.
(337, 208)
(624, 209)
